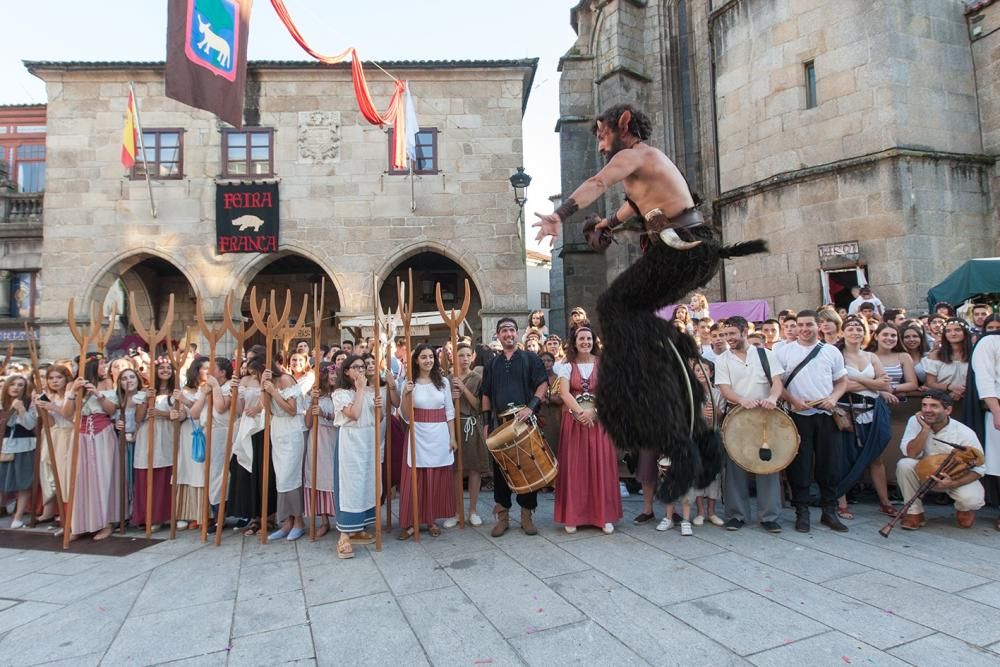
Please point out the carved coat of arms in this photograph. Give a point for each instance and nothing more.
(319, 137)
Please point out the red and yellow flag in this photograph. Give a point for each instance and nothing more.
(128, 134)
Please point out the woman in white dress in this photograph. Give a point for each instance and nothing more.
(433, 416)
(319, 417)
(948, 366)
(166, 410)
(354, 466)
(220, 386)
(59, 409)
(287, 451)
(190, 471)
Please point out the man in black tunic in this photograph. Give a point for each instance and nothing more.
(513, 377)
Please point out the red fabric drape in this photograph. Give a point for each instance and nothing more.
(395, 114)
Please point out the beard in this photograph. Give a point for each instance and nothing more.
(616, 146)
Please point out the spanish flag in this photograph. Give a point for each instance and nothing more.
(128, 133)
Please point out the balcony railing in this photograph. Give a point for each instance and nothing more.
(21, 207)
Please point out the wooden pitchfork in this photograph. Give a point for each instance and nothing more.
(273, 327)
(319, 298)
(241, 334)
(43, 418)
(406, 314)
(84, 336)
(212, 334)
(153, 338)
(176, 356)
(454, 321)
(387, 325)
(378, 354)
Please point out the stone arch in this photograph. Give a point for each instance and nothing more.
(243, 276)
(469, 264)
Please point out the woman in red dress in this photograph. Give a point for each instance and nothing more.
(587, 492)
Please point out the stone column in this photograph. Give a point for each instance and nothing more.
(5, 277)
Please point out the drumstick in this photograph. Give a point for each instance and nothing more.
(765, 450)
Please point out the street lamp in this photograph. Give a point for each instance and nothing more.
(520, 182)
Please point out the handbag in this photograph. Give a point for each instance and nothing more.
(198, 444)
(843, 419)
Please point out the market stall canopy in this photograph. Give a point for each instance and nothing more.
(753, 310)
(977, 276)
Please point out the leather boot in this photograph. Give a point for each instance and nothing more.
(830, 519)
(500, 527)
(527, 525)
(802, 519)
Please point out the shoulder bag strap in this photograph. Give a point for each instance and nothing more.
(765, 365)
(802, 364)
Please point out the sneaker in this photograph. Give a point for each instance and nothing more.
(295, 533)
(570, 529)
(279, 534)
(771, 526)
(623, 490)
(16, 523)
(645, 517)
(698, 520)
(715, 520)
(734, 524)
(686, 529)
(665, 524)
(475, 520)
(182, 525)
(450, 522)
(608, 528)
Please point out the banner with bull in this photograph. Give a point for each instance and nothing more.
(246, 217)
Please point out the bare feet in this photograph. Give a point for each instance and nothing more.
(322, 530)
(103, 534)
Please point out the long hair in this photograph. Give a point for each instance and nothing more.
(945, 353)
(435, 370)
(225, 365)
(169, 384)
(572, 352)
(541, 317)
(6, 401)
(873, 345)
(90, 370)
(61, 370)
(325, 385)
(193, 371)
(866, 338)
(913, 326)
(344, 382)
(120, 390)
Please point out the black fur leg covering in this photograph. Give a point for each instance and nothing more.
(643, 394)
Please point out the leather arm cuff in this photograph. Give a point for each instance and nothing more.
(613, 220)
(568, 208)
(535, 404)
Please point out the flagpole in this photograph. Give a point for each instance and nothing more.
(142, 149)
(413, 196)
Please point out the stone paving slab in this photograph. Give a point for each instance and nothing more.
(939, 649)
(270, 612)
(85, 627)
(831, 649)
(374, 624)
(987, 593)
(172, 635)
(745, 622)
(514, 600)
(651, 632)
(578, 644)
(653, 574)
(951, 614)
(453, 632)
(278, 647)
(861, 621)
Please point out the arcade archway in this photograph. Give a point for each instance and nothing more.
(430, 268)
(298, 274)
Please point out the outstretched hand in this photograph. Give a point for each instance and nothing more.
(548, 226)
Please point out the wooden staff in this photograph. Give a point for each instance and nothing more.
(390, 331)
(176, 356)
(84, 336)
(6, 359)
(240, 335)
(272, 326)
(212, 334)
(453, 321)
(406, 314)
(153, 338)
(318, 301)
(377, 353)
(43, 419)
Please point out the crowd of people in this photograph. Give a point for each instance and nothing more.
(837, 372)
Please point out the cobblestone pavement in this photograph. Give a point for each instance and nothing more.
(632, 598)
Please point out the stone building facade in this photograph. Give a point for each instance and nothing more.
(343, 216)
(854, 136)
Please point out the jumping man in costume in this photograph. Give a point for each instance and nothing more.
(656, 410)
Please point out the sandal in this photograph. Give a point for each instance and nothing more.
(362, 538)
(844, 513)
(888, 510)
(435, 531)
(405, 534)
(252, 529)
(344, 549)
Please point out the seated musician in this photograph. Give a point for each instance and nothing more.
(927, 433)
